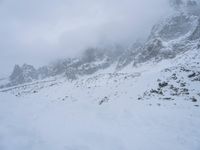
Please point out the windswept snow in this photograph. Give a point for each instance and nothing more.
(101, 111)
(42, 124)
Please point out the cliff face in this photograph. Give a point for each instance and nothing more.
(169, 37)
(23, 74)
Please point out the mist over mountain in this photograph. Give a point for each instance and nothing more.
(38, 32)
(174, 34)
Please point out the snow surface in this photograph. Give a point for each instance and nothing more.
(41, 124)
(101, 112)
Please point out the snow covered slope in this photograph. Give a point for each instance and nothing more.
(153, 106)
(41, 124)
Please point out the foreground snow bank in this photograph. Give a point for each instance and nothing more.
(40, 124)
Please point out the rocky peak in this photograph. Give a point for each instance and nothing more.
(176, 4)
(169, 37)
(193, 7)
(186, 6)
(16, 71)
(25, 73)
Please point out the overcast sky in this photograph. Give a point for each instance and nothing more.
(39, 31)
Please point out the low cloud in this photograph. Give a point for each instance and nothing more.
(38, 31)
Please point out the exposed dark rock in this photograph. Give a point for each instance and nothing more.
(192, 75)
(183, 84)
(163, 84)
(167, 98)
(156, 92)
(194, 99)
(174, 77)
(105, 99)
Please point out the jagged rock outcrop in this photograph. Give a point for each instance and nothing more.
(176, 34)
(25, 73)
(92, 60)
(196, 33)
(128, 56)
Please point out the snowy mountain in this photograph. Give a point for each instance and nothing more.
(144, 97)
(174, 35)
